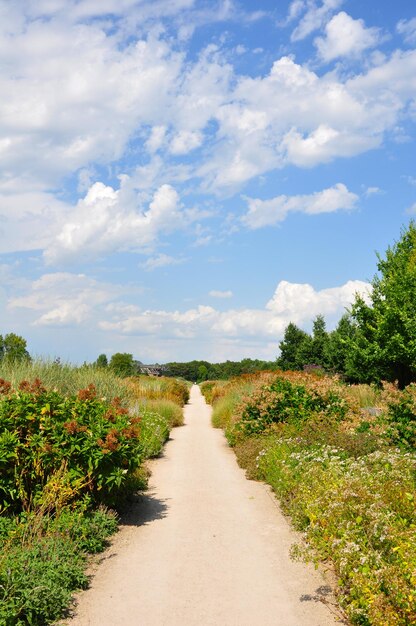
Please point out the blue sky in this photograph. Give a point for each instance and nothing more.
(182, 178)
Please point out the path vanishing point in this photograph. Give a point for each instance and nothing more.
(203, 547)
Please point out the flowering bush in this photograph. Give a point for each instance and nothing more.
(41, 431)
(286, 400)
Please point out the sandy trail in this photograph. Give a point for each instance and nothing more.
(203, 547)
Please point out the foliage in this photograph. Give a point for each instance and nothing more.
(168, 409)
(43, 560)
(401, 419)
(65, 378)
(101, 361)
(122, 364)
(385, 345)
(360, 514)
(154, 432)
(42, 431)
(286, 400)
(292, 348)
(158, 388)
(201, 371)
(13, 348)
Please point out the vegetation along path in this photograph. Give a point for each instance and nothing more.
(206, 547)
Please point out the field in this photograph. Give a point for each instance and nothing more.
(72, 446)
(342, 463)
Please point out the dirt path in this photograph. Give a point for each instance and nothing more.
(204, 547)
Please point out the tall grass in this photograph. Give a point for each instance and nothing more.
(226, 396)
(158, 388)
(65, 378)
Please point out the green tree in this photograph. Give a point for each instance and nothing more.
(122, 364)
(318, 348)
(101, 361)
(293, 348)
(385, 343)
(337, 350)
(13, 348)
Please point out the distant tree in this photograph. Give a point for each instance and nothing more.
(294, 348)
(101, 361)
(13, 348)
(122, 364)
(202, 373)
(384, 346)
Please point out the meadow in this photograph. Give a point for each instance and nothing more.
(73, 447)
(341, 460)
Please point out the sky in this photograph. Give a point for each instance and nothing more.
(180, 179)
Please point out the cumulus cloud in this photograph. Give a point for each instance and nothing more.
(298, 303)
(64, 299)
(104, 222)
(220, 294)
(346, 37)
(269, 212)
(86, 94)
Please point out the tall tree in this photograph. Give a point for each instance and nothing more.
(13, 348)
(385, 344)
(101, 361)
(319, 342)
(122, 364)
(337, 351)
(292, 348)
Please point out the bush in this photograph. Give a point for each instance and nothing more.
(401, 419)
(96, 442)
(153, 434)
(36, 581)
(288, 401)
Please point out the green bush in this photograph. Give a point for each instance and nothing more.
(36, 581)
(401, 419)
(287, 401)
(97, 443)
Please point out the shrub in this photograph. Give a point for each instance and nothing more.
(401, 419)
(288, 401)
(153, 434)
(97, 442)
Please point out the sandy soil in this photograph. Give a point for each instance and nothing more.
(204, 546)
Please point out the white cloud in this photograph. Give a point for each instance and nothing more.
(269, 212)
(346, 37)
(411, 209)
(220, 294)
(298, 303)
(87, 93)
(407, 28)
(105, 221)
(64, 299)
(373, 191)
(185, 141)
(314, 18)
(156, 138)
(161, 260)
